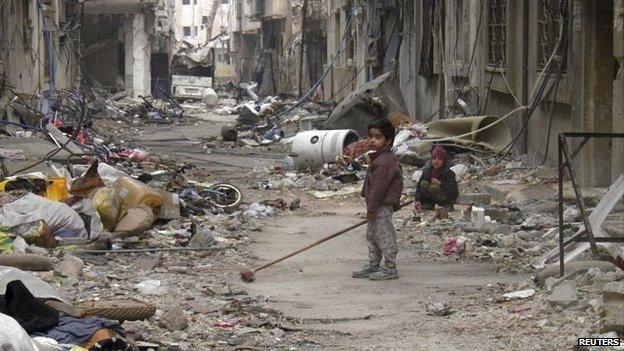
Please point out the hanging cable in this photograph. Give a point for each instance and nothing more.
(273, 119)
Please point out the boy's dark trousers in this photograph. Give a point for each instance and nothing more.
(381, 238)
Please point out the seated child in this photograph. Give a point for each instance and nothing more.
(437, 185)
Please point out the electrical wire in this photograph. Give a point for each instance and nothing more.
(394, 28)
(538, 98)
(318, 83)
(564, 50)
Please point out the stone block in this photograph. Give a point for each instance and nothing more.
(477, 199)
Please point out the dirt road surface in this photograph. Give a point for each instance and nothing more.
(316, 288)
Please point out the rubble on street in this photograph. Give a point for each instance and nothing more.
(205, 175)
(146, 243)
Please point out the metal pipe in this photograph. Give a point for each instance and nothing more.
(560, 178)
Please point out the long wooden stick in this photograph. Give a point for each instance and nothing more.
(320, 241)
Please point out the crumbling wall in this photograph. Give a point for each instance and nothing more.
(24, 54)
(617, 156)
(103, 55)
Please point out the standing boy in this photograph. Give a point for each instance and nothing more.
(382, 190)
(437, 185)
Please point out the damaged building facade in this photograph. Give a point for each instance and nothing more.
(132, 40)
(117, 45)
(39, 45)
(563, 60)
(266, 42)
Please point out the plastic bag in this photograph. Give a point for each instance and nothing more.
(13, 336)
(90, 217)
(107, 202)
(35, 233)
(401, 138)
(63, 220)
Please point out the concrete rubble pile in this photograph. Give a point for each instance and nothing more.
(113, 234)
(146, 245)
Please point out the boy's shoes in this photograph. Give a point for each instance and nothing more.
(384, 274)
(449, 207)
(365, 271)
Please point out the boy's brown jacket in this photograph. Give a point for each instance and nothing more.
(383, 184)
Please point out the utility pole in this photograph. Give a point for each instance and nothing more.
(304, 12)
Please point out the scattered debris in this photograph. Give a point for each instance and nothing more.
(520, 295)
(438, 309)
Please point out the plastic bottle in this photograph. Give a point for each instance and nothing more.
(57, 189)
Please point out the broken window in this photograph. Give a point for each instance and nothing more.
(187, 31)
(497, 32)
(186, 2)
(550, 18)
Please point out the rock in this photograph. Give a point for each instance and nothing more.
(460, 170)
(544, 172)
(563, 295)
(177, 270)
(475, 199)
(136, 221)
(202, 239)
(542, 323)
(522, 294)
(209, 97)
(613, 292)
(229, 133)
(247, 116)
(438, 309)
(295, 204)
(69, 282)
(71, 267)
(277, 333)
(174, 319)
(413, 160)
(19, 245)
(504, 192)
(36, 250)
(613, 319)
(550, 282)
(151, 287)
(571, 214)
(529, 223)
(502, 229)
(530, 236)
(596, 305)
(147, 264)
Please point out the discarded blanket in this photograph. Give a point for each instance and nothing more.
(77, 331)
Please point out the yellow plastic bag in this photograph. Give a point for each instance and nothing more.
(107, 202)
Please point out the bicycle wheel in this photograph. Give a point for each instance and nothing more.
(228, 195)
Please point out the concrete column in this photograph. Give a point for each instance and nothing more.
(141, 54)
(592, 93)
(617, 156)
(129, 61)
(138, 52)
